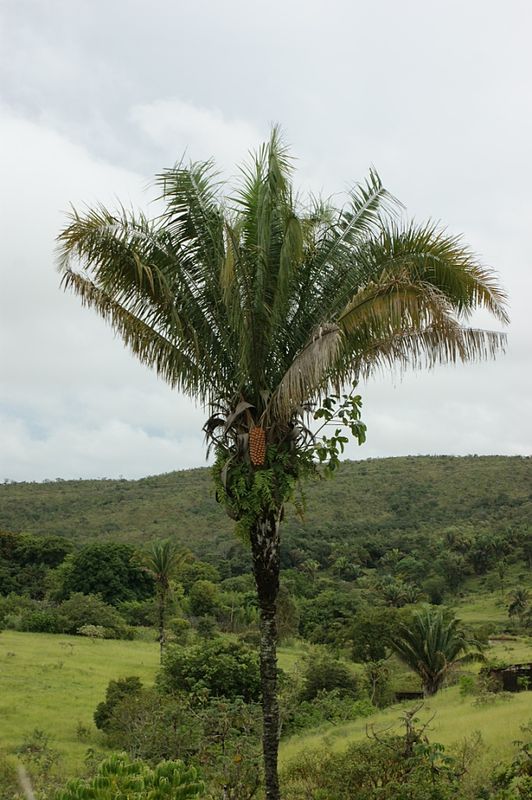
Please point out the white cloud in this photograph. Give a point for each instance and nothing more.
(72, 400)
(178, 128)
(95, 101)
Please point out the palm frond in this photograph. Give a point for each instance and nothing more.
(176, 367)
(266, 299)
(447, 344)
(309, 372)
(429, 255)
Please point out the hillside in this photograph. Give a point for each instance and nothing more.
(392, 497)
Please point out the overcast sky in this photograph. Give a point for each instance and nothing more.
(98, 95)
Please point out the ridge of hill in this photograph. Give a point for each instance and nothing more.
(391, 497)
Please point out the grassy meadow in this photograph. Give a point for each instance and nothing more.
(455, 719)
(53, 683)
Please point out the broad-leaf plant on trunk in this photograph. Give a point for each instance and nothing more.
(262, 307)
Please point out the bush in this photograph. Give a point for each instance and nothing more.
(206, 627)
(42, 761)
(180, 629)
(220, 735)
(139, 612)
(9, 784)
(203, 598)
(148, 725)
(332, 706)
(468, 685)
(390, 768)
(371, 632)
(251, 637)
(12, 607)
(324, 674)
(224, 669)
(42, 620)
(88, 609)
(108, 569)
(434, 588)
(92, 631)
(116, 691)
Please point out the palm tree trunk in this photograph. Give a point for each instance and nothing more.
(162, 635)
(430, 688)
(266, 566)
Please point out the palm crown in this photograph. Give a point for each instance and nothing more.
(432, 643)
(261, 297)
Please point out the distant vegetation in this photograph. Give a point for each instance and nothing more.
(383, 543)
(377, 498)
(380, 538)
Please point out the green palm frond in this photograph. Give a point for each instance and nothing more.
(255, 295)
(163, 559)
(152, 348)
(432, 643)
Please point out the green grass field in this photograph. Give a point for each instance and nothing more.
(54, 682)
(455, 719)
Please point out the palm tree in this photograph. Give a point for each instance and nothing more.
(257, 306)
(519, 600)
(162, 561)
(432, 644)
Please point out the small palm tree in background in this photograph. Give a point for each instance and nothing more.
(162, 561)
(432, 644)
(263, 306)
(519, 602)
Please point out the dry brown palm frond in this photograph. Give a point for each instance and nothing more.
(309, 371)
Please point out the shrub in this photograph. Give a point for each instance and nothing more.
(251, 637)
(206, 627)
(514, 781)
(42, 620)
(388, 768)
(116, 691)
(378, 683)
(139, 612)
(220, 735)
(468, 685)
(203, 598)
(12, 607)
(192, 571)
(434, 588)
(88, 609)
(180, 629)
(325, 674)
(9, 784)
(224, 669)
(331, 706)
(110, 570)
(41, 760)
(151, 726)
(371, 632)
(92, 631)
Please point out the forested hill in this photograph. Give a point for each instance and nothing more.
(390, 499)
